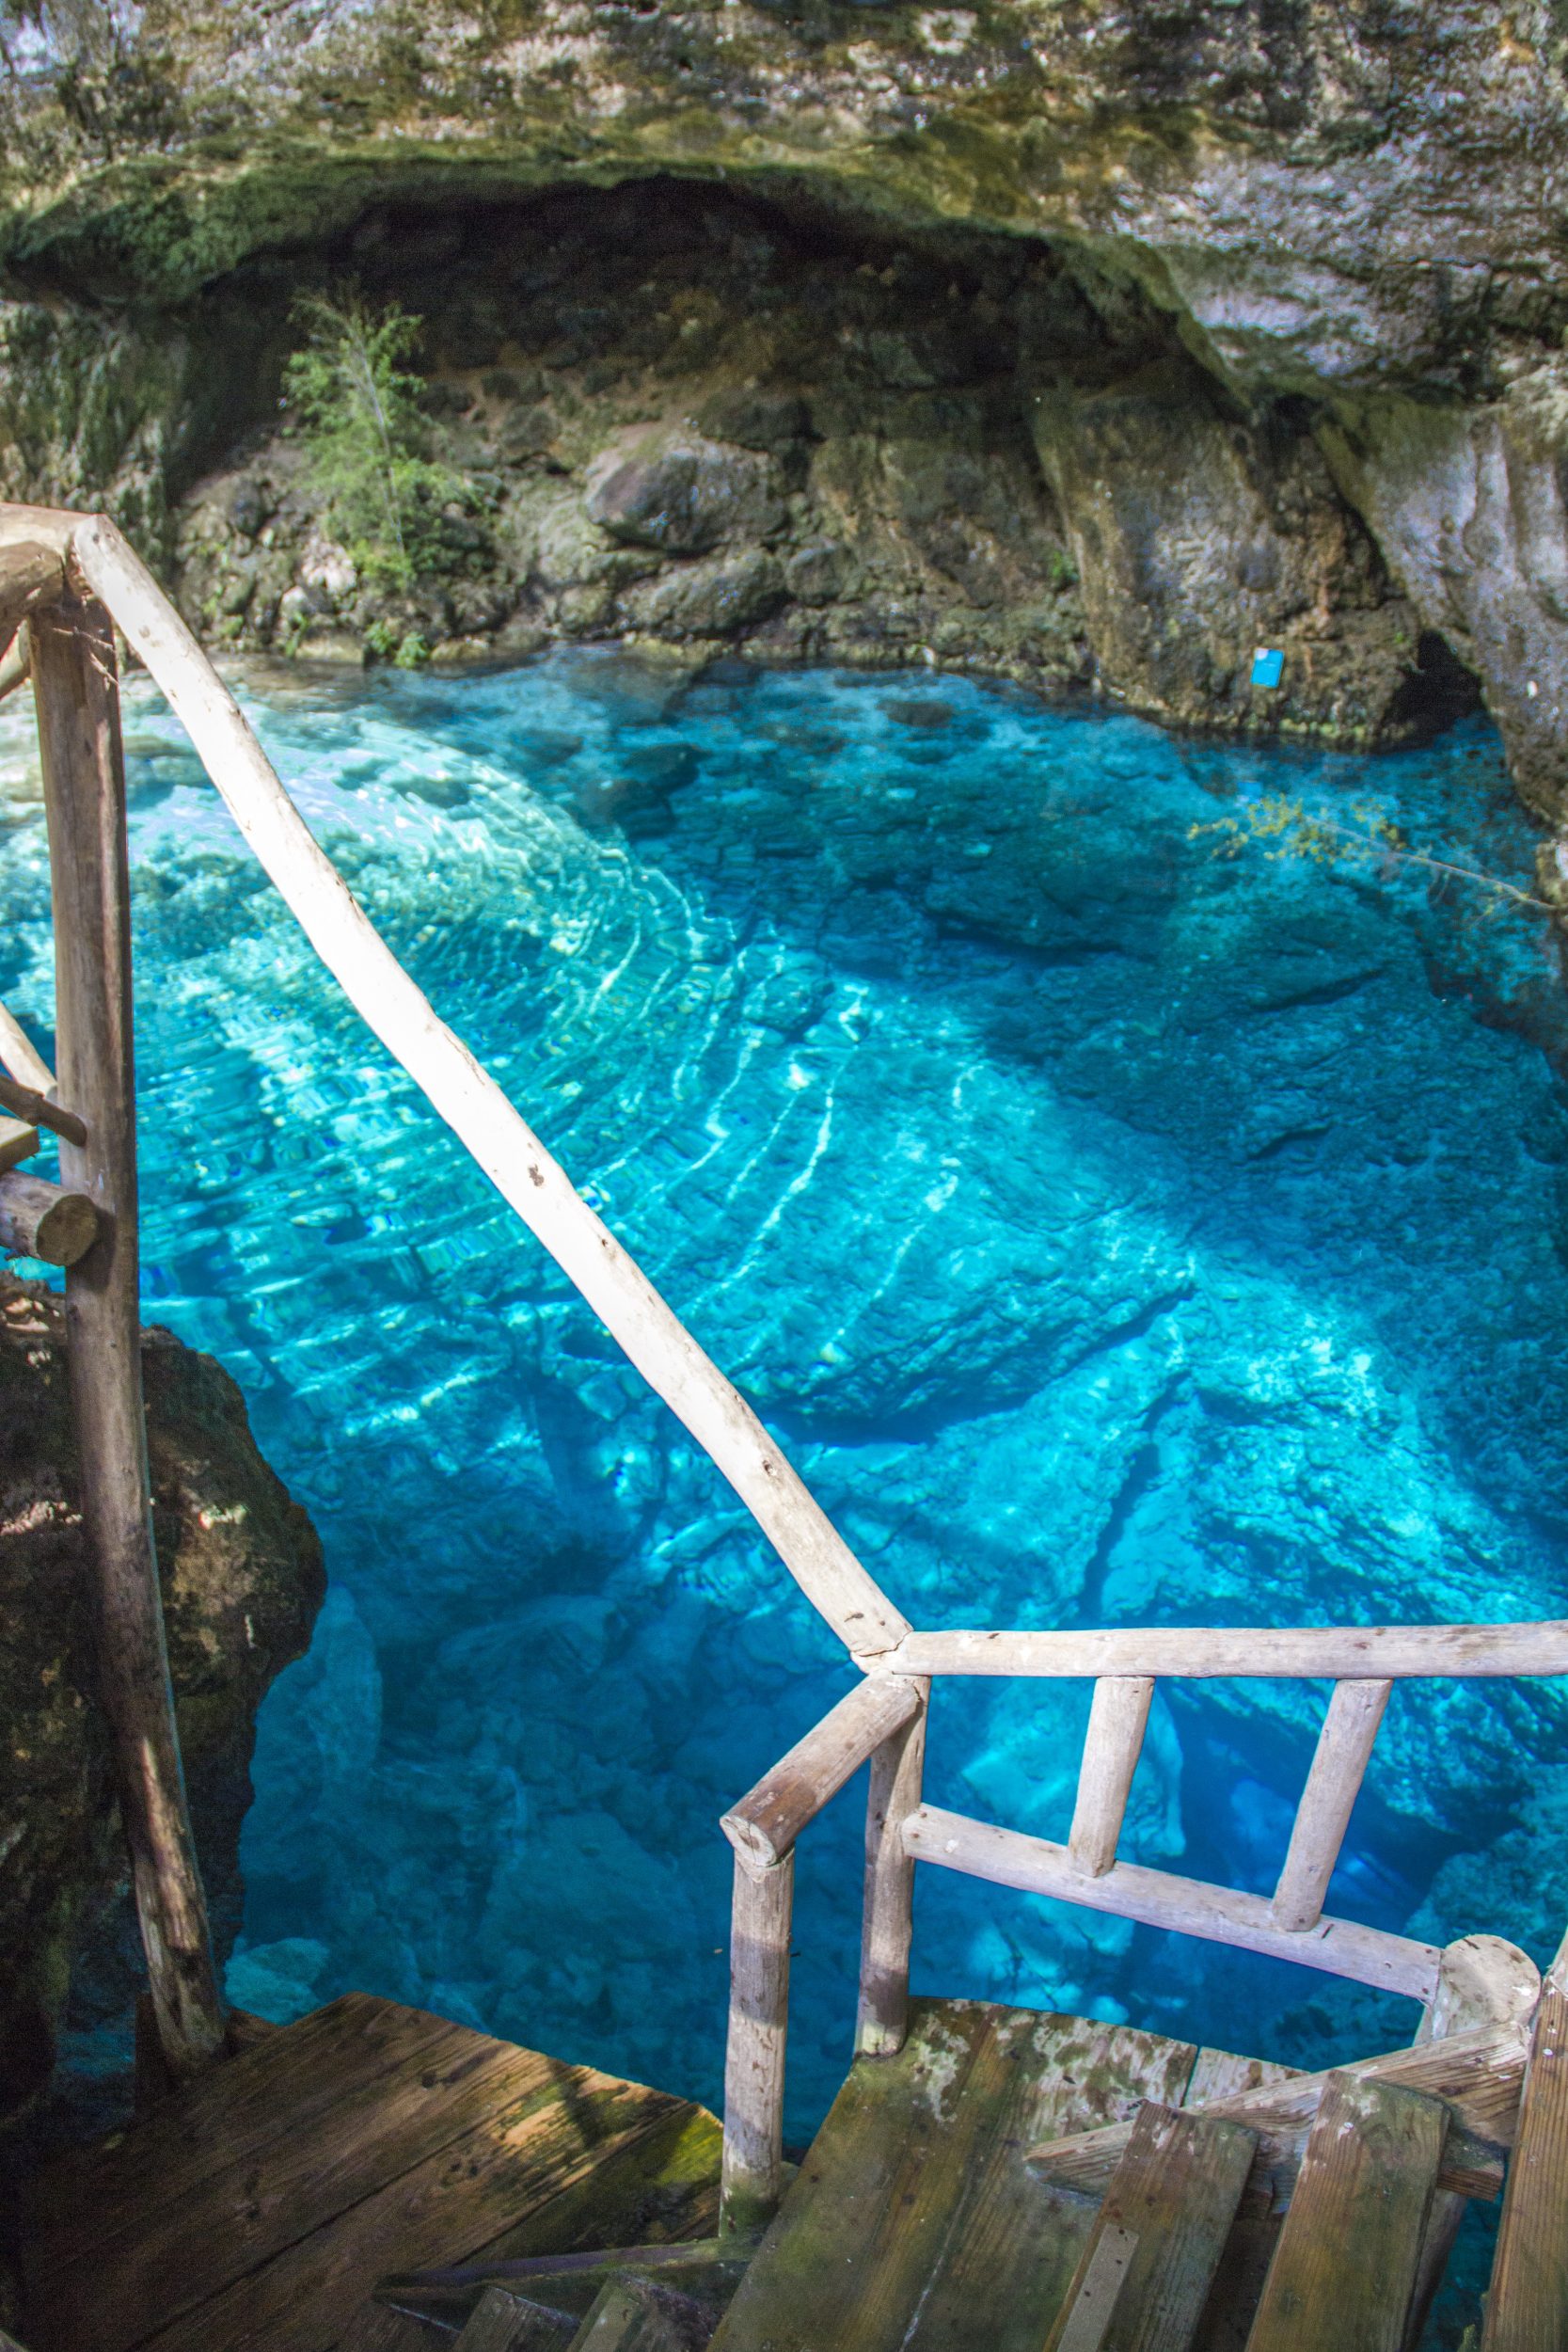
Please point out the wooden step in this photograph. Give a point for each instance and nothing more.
(914, 2223)
(641, 2315)
(504, 2322)
(1344, 2269)
(1144, 2279)
(257, 2209)
(1527, 2308)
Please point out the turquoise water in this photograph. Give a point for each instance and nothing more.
(1113, 1228)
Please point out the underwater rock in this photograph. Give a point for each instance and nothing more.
(243, 1580)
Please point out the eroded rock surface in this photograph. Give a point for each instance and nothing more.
(1299, 378)
(242, 1581)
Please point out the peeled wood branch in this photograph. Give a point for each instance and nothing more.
(1036, 1865)
(1117, 1719)
(474, 1105)
(764, 1825)
(26, 1103)
(1322, 1817)
(22, 1057)
(41, 1220)
(1195, 1652)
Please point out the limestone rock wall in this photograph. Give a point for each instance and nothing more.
(242, 1581)
(1259, 310)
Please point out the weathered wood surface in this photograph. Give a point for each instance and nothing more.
(1174, 2195)
(1037, 1865)
(1344, 2269)
(1478, 2073)
(18, 1142)
(1333, 1784)
(1527, 2308)
(887, 1907)
(766, 1824)
(27, 1103)
(373, 2329)
(760, 1922)
(1482, 1982)
(474, 1106)
(1330, 1653)
(21, 1057)
(1118, 1714)
(641, 2315)
(260, 2206)
(504, 2322)
(913, 2222)
(39, 1219)
(30, 575)
(83, 783)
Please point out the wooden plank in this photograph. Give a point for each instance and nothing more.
(1476, 2075)
(754, 2050)
(535, 1185)
(191, 2205)
(84, 782)
(1037, 1865)
(1224, 2073)
(505, 2321)
(764, 1826)
(373, 2329)
(519, 2156)
(1527, 2308)
(887, 1903)
(662, 2185)
(637, 2315)
(1174, 2196)
(913, 2223)
(1095, 2295)
(1327, 1653)
(1118, 1715)
(1333, 1784)
(1344, 2269)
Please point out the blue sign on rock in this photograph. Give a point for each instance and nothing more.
(1268, 666)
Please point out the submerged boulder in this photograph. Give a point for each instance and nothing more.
(243, 1580)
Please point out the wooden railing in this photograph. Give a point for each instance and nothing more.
(65, 580)
(884, 1721)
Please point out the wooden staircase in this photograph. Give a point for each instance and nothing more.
(1007, 2182)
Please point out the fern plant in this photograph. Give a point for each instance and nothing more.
(364, 435)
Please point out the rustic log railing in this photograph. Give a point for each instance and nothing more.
(66, 582)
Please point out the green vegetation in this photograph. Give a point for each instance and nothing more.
(365, 437)
(1291, 830)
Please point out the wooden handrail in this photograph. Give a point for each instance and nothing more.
(1112, 1744)
(474, 1106)
(1322, 1817)
(1345, 1653)
(764, 1825)
(1158, 1899)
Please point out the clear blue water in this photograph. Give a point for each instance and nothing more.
(1114, 1230)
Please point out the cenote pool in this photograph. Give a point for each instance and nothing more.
(1119, 1218)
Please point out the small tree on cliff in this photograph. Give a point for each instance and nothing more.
(359, 408)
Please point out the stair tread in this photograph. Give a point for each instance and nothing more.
(639, 2315)
(504, 2322)
(1344, 2269)
(914, 2224)
(1144, 2277)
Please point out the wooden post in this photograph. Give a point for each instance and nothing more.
(887, 1920)
(1117, 1719)
(751, 2181)
(78, 708)
(1333, 1785)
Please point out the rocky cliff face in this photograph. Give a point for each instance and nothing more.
(1112, 337)
(242, 1581)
